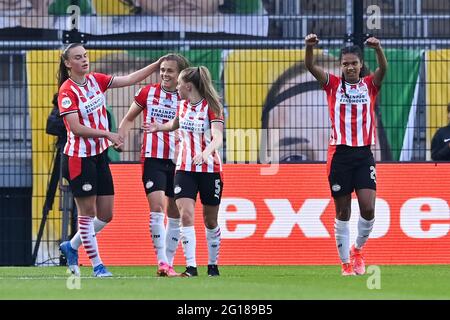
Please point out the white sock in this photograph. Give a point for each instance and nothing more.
(75, 243)
(86, 227)
(213, 241)
(158, 234)
(172, 238)
(364, 229)
(188, 241)
(342, 236)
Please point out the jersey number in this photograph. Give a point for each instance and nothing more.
(373, 173)
(217, 188)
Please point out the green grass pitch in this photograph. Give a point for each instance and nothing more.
(235, 282)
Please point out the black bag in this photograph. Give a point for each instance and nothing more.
(55, 124)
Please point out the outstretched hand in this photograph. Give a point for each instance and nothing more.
(149, 127)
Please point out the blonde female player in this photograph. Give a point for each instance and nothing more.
(159, 103)
(199, 168)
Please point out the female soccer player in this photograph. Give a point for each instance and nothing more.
(199, 168)
(82, 103)
(351, 165)
(159, 102)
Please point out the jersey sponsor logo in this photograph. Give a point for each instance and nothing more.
(162, 113)
(192, 126)
(66, 102)
(87, 187)
(94, 104)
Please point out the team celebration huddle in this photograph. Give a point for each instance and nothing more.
(183, 125)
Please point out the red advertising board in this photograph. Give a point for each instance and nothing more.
(286, 217)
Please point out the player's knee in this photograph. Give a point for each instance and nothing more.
(343, 214)
(210, 223)
(368, 213)
(172, 212)
(187, 221)
(187, 217)
(157, 207)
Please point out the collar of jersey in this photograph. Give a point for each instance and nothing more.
(353, 84)
(79, 84)
(168, 91)
(196, 104)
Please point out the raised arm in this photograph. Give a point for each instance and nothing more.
(310, 41)
(379, 73)
(135, 77)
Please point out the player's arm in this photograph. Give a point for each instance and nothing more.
(216, 143)
(217, 138)
(135, 77)
(310, 41)
(127, 122)
(172, 125)
(85, 132)
(379, 73)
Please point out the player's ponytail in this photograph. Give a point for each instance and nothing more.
(201, 79)
(63, 71)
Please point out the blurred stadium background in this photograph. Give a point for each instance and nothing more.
(282, 217)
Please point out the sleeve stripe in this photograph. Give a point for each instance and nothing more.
(217, 120)
(67, 112)
(328, 79)
(139, 105)
(110, 82)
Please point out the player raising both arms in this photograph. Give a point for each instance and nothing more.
(351, 165)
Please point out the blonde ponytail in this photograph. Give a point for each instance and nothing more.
(201, 78)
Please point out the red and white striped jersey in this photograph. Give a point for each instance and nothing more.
(195, 135)
(89, 102)
(159, 106)
(353, 121)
